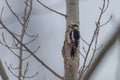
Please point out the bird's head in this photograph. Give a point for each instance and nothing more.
(75, 27)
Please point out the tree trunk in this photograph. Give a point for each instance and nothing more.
(71, 64)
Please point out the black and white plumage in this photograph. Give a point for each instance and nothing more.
(74, 39)
(74, 35)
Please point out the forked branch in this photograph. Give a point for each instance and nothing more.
(103, 52)
(39, 60)
(94, 39)
(18, 39)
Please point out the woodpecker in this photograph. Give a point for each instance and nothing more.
(74, 35)
(74, 39)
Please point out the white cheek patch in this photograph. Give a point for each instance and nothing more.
(72, 36)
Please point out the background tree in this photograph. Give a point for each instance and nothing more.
(16, 48)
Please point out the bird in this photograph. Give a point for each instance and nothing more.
(74, 35)
(74, 39)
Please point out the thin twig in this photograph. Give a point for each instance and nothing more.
(1, 13)
(30, 35)
(6, 45)
(25, 71)
(106, 22)
(106, 6)
(13, 12)
(50, 8)
(26, 57)
(13, 67)
(31, 40)
(84, 50)
(82, 55)
(32, 75)
(84, 40)
(11, 70)
(27, 13)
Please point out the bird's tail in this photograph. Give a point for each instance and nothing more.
(73, 51)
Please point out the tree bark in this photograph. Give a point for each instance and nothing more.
(71, 64)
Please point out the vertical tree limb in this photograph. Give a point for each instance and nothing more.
(71, 65)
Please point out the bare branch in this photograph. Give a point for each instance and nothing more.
(10, 48)
(84, 40)
(39, 60)
(51, 9)
(11, 70)
(106, 5)
(16, 34)
(31, 75)
(106, 22)
(95, 37)
(36, 49)
(19, 42)
(30, 9)
(6, 45)
(13, 12)
(30, 35)
(27, 57)
(12, 51)
(1, 13)
(31, 40)
(25, 72)
(27, 13)
(13, 67)
(84, 49)
(82, 55)
(102, 54)
(98, 25)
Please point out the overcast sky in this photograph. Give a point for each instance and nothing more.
(51, 28)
